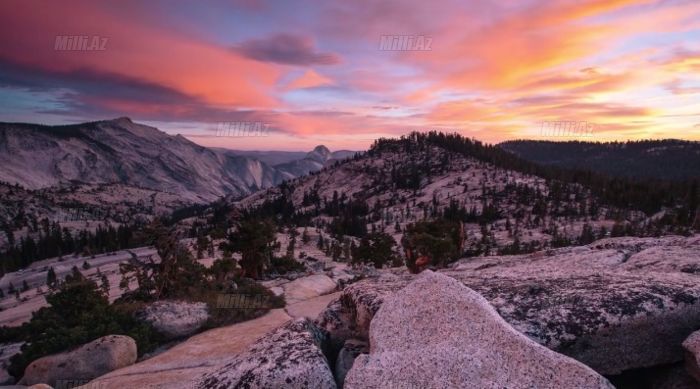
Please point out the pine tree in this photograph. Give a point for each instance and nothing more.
(321, 244)
(255, 240)
(104, 286)
(51, 278)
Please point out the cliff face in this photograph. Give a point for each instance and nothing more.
(121, 151)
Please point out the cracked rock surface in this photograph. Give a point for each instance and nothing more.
(289, 357)
(437, 333)
(615, 305)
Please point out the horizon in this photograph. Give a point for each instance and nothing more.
(560, 140)
(343, 75)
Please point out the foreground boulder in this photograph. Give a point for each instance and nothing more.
(607, 305)
(692, 355)
(181, 366)
(289, 357)
(175, 319)
(85, 363)
(437, 333)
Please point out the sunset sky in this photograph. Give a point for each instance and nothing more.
(314, 71)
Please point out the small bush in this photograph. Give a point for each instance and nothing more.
(284, 265)
(78, 313)
(220, 316)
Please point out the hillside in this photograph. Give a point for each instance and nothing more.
(503, 209)
(661, 159)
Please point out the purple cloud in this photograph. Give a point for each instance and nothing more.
(286, 49)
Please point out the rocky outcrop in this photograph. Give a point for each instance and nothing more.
(308, 287)
(607, 304)
(180, 366)
(175, 319)
(692, 355)
(289, 357)
(437, 333)
(88, 361)
(346, 357)
(310, 308)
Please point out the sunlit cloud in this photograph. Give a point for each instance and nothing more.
(317, 73)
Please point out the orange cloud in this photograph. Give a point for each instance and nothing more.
(213, 74)
(309, 79)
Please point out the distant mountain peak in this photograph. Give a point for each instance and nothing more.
(321, 149)
(122, 119)
(319, 154)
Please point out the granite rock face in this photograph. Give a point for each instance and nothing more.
(289, 357)
(175, 319)
(88, 361)
(437, 333)
(308, 287)
(610, 305)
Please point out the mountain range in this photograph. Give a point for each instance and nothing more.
(123, 152)
(120, 171)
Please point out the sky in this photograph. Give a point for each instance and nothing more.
(322, 72)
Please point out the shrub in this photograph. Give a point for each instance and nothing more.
(78, 313)
(439, 241)
(376, 248)
(220, 316)
(284, 265)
